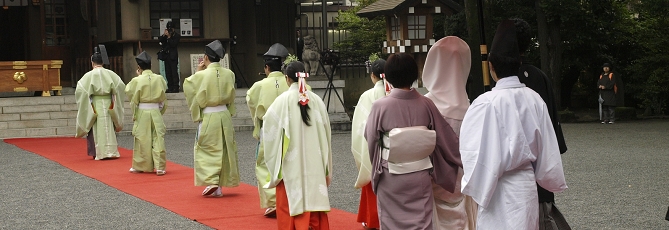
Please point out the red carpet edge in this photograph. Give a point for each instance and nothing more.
(238, 208)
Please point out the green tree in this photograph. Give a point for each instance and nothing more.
(363, 36)
(648, 72)
(574, 38)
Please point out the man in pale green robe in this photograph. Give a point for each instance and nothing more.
(298, 154)
(99, 95)
(258, 98)
(146, 94)
(210, 94)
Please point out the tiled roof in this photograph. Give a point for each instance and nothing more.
(384, 7)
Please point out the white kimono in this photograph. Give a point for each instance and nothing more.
(507, 145)
(298, 154)
(359, 146)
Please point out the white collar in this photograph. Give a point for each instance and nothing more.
(508, 82)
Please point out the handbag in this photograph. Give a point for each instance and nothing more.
(162, 55)
(408, 149)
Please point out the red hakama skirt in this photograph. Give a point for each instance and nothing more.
(315, 220)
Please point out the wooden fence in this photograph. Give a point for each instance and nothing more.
(83, 65)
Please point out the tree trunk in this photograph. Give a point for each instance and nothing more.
(556, 60)
(475, 82)
(550, 48)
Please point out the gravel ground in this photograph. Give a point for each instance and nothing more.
(614, 173)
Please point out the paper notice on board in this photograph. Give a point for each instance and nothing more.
(195, 60)
(186, 27)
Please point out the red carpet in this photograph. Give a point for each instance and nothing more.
(238, 208)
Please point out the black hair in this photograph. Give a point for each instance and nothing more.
(291, 70)
(213, 58)
(144, 66)
(378, 67)
(274, 64)
(504, 66)
(401, 70)
(97, 57)
(523, 33)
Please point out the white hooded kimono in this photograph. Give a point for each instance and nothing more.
(507, 145)
(445, 76)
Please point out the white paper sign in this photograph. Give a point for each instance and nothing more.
(195, 60)
(163, 25)
(186, 27)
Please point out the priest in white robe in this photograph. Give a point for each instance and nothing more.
(508, 145)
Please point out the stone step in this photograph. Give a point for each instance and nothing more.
(32, 116)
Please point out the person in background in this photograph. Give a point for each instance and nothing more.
(367, 211)
(299, 43)
(146, 94)
(607, 92)
(169, 41)
(549, 215)
(210, 94)
(508, 144)
(298, 153)
(100, 94)
(445, 76)
(259, 98)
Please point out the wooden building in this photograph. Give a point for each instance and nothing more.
(68, 30)
(409, 24)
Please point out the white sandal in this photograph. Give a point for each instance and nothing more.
(209, 190)
(132, 170)
(160, 172)
(270, 212)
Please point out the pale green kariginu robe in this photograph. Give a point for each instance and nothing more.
(297, 154)
(148, 152)
(215, 146)
(258, 98)
(100, 95)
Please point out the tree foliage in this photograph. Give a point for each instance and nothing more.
(579, 36)
(593, 32)
(363, 36)
(648, 69)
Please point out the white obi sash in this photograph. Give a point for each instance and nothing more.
(214, 109)
(408, 149)
(148, 106)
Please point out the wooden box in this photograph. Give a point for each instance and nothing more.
(145, 34)
(21, 76)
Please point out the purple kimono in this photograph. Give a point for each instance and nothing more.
(405, 200)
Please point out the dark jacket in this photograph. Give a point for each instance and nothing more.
(169, 46)
(610, 88)
(538, 81)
